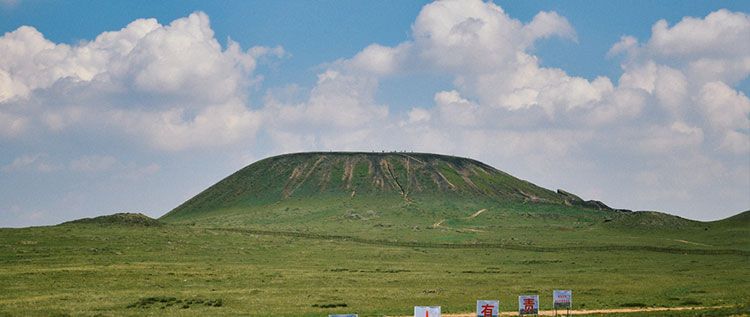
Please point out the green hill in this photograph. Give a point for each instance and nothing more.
(407, 176)
(423, 198)
(374, 193)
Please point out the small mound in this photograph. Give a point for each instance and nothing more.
(742, 218)
(127, 219)
(649, 220)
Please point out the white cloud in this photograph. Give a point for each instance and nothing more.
(23, 161)
(37, 162)
(455, 110)
(728, 112)
(380, 60)
(343, 100)
(714, 48)
(339, 114)
(725, 107)
(172, 85)
(177, 129)
(486, 51)
(546, 24)
(12, 125)
(670, 139)
(473, 36)
(476, 42)
(416, 115)
(720, 34)
(688, 72)
(623, 104)
(93, 163)
(627, 45)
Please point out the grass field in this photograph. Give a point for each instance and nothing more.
(313, 234)
(113, 270)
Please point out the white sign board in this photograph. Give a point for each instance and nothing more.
(426, 311)
(528, 305)
(562, 299)
(487, 308)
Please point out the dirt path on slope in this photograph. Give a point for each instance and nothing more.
(437, 224)
(693, 243)
(477, 214)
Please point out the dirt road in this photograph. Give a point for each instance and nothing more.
(592, 311)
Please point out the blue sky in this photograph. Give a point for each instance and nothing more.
(136, 106)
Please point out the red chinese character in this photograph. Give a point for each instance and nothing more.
(487, 311)
(528, 305)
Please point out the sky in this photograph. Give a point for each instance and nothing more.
(136, 106)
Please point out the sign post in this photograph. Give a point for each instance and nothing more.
(528, 305)
(563, 299)
(426, 311)
(488, 308)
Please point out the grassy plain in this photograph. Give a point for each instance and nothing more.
(376, 234)
(106, 269)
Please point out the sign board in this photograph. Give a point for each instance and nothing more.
(562, 299)
(487, 308)
(426, 311)
(354, 315)
(528, 305)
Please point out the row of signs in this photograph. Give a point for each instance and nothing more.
(527, 305)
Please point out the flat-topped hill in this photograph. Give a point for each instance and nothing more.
(405, 176)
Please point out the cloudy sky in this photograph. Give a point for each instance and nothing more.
(136, 106)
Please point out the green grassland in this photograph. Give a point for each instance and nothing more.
(313, 234)
(113, 269)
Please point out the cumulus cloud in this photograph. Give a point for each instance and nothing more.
(713, 48)
(12, 124)
(689, 70)
(339, 113)
(474, 35)
(417, 115)
(173, 85)
(720, 34)
(37, 162)
(486, 51)
(477, 43)
(728, 113)
(380, 60)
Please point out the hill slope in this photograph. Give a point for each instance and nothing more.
(387, 196)
(402, 196)
(405, 176)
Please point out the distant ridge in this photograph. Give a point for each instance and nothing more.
(128, 219)
(392, 175)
